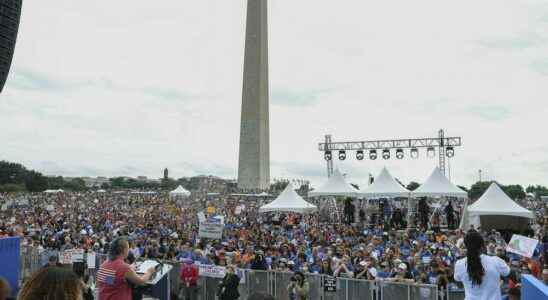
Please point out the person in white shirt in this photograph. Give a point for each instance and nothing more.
(479, 273)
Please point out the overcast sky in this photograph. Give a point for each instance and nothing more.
(128, 87)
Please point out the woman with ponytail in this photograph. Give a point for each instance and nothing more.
(480, 273)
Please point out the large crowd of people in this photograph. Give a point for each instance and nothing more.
(366, 241)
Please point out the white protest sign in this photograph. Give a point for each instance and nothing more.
(49, 207)
(5, 207)
(65, 257)
(218, 272)
(77, 255)
(211, 230)
(91, 260)
(201, 217)
(522, 245)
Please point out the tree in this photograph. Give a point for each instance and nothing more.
(514, 191)
(35, 182)
(413, 186)
(477, 189)
(538, 190)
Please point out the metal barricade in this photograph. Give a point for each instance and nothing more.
(424, 292)
(256, 281)
(360, 289)
(394, 290)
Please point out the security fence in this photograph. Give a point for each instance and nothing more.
(275, 283)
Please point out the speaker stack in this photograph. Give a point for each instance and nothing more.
(10, 14)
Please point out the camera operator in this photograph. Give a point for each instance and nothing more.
(259, 262)
(298, 287)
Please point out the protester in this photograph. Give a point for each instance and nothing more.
(228, 288)
(114, 274)
(189, 280)
(52, 283)
(480, 273)
(158, 227)
(298, 287)
(5, 289)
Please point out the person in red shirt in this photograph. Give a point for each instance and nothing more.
(189, 280)
(114, 274)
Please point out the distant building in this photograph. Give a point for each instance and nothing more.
(142, 178)
(166, 173)
(95, 182)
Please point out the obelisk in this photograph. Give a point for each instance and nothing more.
(254, 156)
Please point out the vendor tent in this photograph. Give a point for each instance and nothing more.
(54, 191)
(495, 210)
(385, 186)
(180, 191)
(437, 185)
(288, 201)
(336, 185)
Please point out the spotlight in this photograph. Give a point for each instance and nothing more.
(430, 152)
(449, 151)
(414, 153)
(359, 155)
(386, 154)
(373, 154)
(327, 155)
(399, 153)
(342, 154)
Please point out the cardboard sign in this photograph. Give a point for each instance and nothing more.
(91, 260)
(329, 284)
(211, 230)
(211, 210)
(218, 272)
(522, 245)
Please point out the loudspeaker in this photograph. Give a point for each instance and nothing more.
(10, 14)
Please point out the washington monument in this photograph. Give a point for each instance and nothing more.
(254, 160)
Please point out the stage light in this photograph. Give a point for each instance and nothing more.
(430, 152)
(373, 154)
(386, 154)
(399, 153)
(449, 151)
(359, 155)
(342, 154)
(327, 155)
(414, 153)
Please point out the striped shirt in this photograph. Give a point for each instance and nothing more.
(111, 280)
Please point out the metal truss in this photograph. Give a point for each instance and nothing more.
(441, 143)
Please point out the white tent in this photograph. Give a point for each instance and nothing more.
(289, 201)
(54, 191)
(101, 191)
(437, 185)
(180, 191)
(495, 210)
(336, 185)
(385, 186)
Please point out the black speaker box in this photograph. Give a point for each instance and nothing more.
(10, 14)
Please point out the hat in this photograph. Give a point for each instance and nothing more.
(402, 266)
(363, 263)
(290, 262)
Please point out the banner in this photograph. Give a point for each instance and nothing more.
(522, 245)
(211, 230)
(70, 256)
(91, 260)
(218, 272)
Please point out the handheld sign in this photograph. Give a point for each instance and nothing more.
(522, 245)
(329, 284)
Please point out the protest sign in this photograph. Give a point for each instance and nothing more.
(91, 260)
(211, 210)
(211, 230)
(201, 217)
(329, 284)
(522, 245)
(218, 272)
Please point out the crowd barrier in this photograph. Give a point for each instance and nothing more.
(276, 283)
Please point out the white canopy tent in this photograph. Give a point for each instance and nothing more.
(495, 210)
(101, 191)
(288, 201)
(437, 185)
(336, 185)
(54, 191)
(180, 191)
(385, 186)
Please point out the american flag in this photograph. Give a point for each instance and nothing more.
(106, 276)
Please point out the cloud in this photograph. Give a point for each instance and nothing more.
(105, 87)
(295, 98)
(489, 112)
